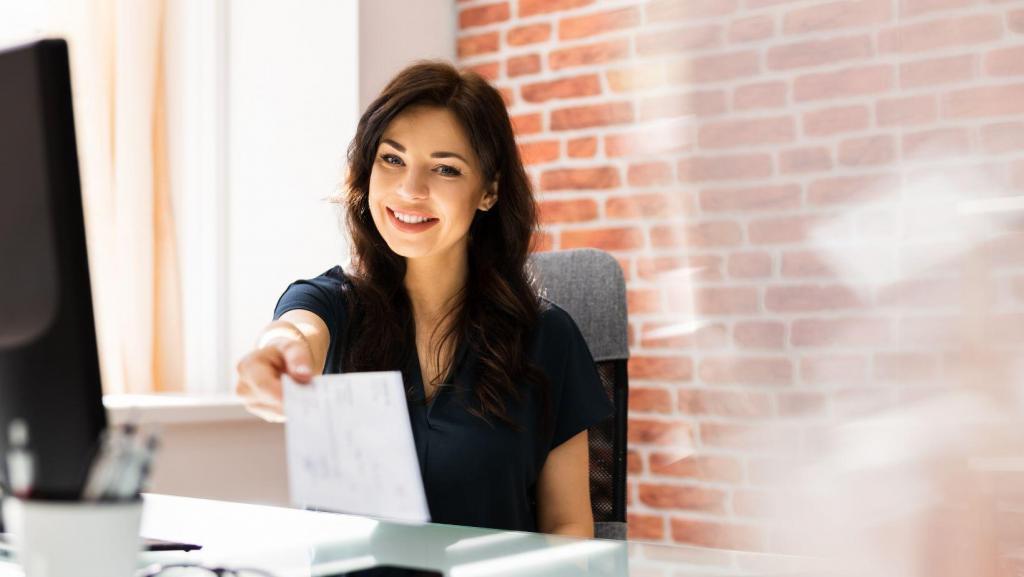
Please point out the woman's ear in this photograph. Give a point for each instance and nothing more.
(490, 197)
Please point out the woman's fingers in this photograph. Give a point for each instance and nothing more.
(298, 360)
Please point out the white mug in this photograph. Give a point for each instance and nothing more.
(75, 538)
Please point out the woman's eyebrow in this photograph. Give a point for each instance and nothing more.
(438, 154)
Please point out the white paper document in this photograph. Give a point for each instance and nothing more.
(350, 446)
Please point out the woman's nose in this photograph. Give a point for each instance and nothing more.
(414, 185)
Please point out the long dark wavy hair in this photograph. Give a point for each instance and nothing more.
(498, 308)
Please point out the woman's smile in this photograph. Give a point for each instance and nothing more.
(410, 222)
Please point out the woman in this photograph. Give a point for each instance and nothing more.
(501, 386)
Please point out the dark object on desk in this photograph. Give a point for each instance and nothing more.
(391, 571)
(147, 544)
(589, 285)
(49, 367)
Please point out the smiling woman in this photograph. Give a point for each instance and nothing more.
(500, 384)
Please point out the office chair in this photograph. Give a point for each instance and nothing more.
(589, 285)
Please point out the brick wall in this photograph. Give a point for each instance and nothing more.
(792, 188)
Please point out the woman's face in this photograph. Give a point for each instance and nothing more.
(426, 185)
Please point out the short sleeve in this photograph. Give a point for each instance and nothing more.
(580, 401)
(322, 296)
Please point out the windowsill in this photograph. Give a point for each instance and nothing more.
(175, 409)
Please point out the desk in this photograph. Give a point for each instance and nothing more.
(292, 542)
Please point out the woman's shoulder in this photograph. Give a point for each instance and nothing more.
(556, 322)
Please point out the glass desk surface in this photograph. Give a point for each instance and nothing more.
(291, 542)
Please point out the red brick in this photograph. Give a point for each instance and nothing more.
(722, 67)
(539, 152)
(663, 10)
(707, 168)
(654, 205)
(724, 300)
(803, 298)
(588, 54)
(507, 95)
(678, 40)
(649, 174)
(806, 263)
(527, 123)
(756, 437)
(836, 15)
(1005, 62)
(923, 293)
(573, 87)
(757, 4)
(760, 95)
(747, 503)
(591, 115)
(585, 147)
(580, 210)
(867, 150)
(746, 371)
(818, 52)
(843, 332)
(640, 301)
(759, 334)
(699, 467)
(902, 368)
(733, 404)
(652, 432)
(523, 65)
(917, 7)
(937, 34)
(780, 197)
(794, 229)
(833, 369)
(829, 121)
(751, 29)
(936, 144)
(853, 189)
(718, 535)
(489, 70)
(907, 110)
(601, 177)
(936, 71)
(666, 138)
(660, 496)
(610, 239)
(1015, 21)
(750, 265)
(736, 133)
(478, 44)
(1004, 137)
(576, 27)
(529, 34)
(483, 15)
(649, 400)
(802, 405)
(693, 266)
(534, 7)
(666, 336)
(808, 159)
(705, 234)
(645, 527)
(542, 241)
(705, 103)
(843, 83)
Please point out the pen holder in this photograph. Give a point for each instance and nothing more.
(80, 538)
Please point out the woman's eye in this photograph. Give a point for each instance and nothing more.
(391, 159)
(445, 170)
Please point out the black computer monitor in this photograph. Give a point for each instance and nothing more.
(49, 367)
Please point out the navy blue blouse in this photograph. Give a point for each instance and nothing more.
(476, 472)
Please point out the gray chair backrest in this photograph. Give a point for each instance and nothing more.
(589, 285)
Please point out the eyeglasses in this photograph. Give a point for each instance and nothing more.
(193, 570)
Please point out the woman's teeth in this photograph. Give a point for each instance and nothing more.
(410, 219)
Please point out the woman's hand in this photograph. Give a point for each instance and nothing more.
(295, 347)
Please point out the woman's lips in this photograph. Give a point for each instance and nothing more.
(408, 226)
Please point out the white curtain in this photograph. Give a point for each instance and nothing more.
(117, 62)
